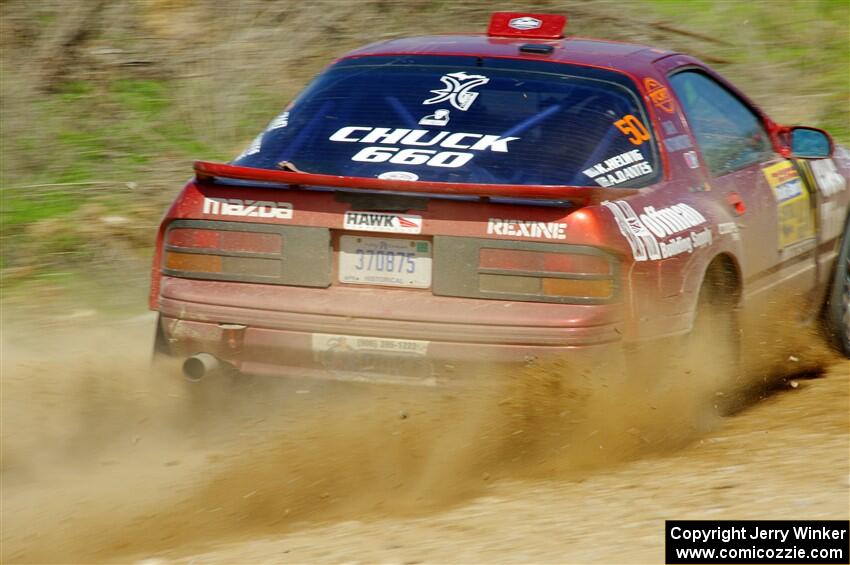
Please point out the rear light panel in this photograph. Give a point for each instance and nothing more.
(542, 261)
(251, 242)
(243, 252)
(524, 271)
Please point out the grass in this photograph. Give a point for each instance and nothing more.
(791, 57)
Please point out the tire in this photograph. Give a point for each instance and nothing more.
(696, 375)
(838, 307)
(713, 348)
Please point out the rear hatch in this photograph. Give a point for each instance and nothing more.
(434, 175)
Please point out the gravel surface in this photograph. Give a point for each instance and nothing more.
(786, 457)
(107, 461)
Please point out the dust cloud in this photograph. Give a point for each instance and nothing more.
(105, 457)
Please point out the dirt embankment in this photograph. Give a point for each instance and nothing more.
(105, 460)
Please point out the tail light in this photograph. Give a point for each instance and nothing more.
(252, 242)
(190, 262)
(245, 252)
(517, 260)
(529, 271)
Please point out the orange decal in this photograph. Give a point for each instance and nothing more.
(632, 126)
(659, 95)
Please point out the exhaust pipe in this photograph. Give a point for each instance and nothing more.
(200, 365)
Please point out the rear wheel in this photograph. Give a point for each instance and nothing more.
(838, 309)
(714, 344)
(704, 374)
(696, 376)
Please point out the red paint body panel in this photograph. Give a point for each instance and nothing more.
(737, 217)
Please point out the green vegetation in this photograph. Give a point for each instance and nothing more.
(104, 109)
(792, 57)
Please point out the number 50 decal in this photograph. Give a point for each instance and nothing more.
(412, 157)
(633, 127)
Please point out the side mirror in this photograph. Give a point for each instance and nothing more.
(809, 143)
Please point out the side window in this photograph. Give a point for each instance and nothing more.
(729, 134)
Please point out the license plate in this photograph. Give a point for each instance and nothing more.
(385, 261)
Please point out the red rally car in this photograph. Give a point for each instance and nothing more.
(440, 202)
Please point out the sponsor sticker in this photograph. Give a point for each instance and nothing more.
(831, 220)
(527, 228)
(253, 148)
(793, 203)
(659, 95)
(458, 90)
(678, 142)
(830, 182)
(382, 222)
(634, 128)
(619, 168)
(279, 122)
(351, 343)
(691, 159)
(398, 175)
(729, 228)
(662, 233)
(438, 118)
(248, 208)
(422, 138)
(415, 142)
(669, 127)
(525, 23)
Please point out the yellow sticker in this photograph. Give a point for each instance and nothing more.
(793, 204)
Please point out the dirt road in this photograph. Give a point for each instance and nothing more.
(104, 461)
(786, 457)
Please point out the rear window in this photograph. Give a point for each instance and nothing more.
(464, 120)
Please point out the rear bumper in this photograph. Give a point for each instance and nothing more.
(364, 334)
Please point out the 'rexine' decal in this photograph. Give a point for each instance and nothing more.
(527, 228)
(458, 90)
(662, 233)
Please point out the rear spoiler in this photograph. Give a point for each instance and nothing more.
(205, 170)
